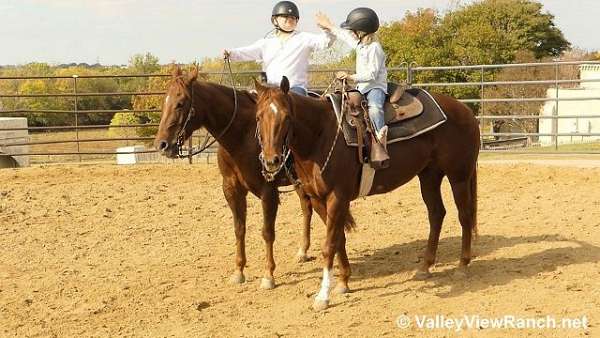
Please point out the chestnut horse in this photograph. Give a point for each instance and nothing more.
(330, 171)
(230, 117)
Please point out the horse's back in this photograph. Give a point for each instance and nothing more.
(458, 139)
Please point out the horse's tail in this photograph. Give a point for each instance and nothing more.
(350, 224)
(474, 201)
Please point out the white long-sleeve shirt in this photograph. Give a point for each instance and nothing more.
(284, 57)
(371, 71)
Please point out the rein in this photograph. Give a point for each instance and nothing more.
(339, 127)
(206, 144)
(269, 175)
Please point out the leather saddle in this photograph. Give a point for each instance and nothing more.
(399, 106)
(408, 113)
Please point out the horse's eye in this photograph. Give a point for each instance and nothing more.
(179, 105)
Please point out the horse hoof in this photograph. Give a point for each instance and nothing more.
(320, 305)
(267, 283)
(422, 275)
(341, 289)
(237, 278)
(302, 258)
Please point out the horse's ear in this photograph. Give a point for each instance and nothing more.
(285, 85)
(175, 70)
(193, 75)
(258, 86)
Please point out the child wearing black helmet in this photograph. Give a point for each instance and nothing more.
(287, 51)
(358, 31)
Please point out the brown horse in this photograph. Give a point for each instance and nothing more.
(330, 171)
(231, 119)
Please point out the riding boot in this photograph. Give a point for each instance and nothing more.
(379, 155)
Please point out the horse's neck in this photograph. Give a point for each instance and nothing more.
(218, 104)
(314, 126)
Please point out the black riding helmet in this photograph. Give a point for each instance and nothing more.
(285, 8)
(362, 19)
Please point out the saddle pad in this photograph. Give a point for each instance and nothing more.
(432, 117)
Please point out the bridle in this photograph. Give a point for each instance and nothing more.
(269, 175)
(191, 111)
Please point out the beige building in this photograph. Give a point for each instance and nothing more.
(8, 137)
(582, 108)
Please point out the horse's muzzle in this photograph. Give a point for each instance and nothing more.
(167, 150)
(271, 166)
(274, 163)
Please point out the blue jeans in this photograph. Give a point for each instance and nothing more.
(376, 100)
(299, 90)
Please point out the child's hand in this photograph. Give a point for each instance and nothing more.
(323, 21)
(341, 75)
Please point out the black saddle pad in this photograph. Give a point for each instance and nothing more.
(432, 117)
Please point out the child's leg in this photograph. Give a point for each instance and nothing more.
(299, 91)
(376, 99)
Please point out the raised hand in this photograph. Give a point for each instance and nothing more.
(323, 21)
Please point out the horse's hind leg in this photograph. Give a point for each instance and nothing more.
(431, 180)
(270, 203)
(307, 212)
(235, 195)
(466, 200)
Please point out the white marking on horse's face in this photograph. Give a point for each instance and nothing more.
(167, 100)
(274, 108)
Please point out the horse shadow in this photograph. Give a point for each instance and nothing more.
(485, 271)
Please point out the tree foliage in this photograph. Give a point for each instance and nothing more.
(484, 32)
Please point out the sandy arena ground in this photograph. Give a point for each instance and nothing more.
(147, 251)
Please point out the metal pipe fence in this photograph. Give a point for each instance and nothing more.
(411, 73)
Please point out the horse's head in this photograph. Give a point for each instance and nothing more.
(273, 123)
(179, 118)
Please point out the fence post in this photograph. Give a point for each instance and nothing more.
(75, 76)
(409, 74)
(481, 111)
(555, 110)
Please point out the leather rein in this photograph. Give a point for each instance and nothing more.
(269, 175)
(191, 111)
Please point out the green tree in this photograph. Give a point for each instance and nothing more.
(144, 64)
(493, 31)
(484, 32)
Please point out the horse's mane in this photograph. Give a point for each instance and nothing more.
(180, 83)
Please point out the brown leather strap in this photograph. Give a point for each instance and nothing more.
(360, 138)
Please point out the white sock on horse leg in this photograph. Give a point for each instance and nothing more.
(325, 284)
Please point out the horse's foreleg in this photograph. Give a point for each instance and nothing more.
(235, 195)
(270, 202)
(307, 212)
(336, 217)
(431, 180)
(344, 265)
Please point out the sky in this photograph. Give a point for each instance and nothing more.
(111, 31)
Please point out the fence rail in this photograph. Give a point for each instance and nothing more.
(409, 71)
